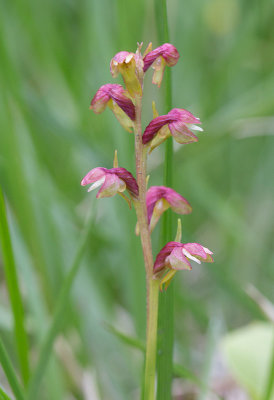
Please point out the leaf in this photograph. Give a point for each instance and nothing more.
(128, 340)
(3, 395)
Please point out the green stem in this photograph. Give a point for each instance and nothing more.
(150, 367)
(152, 284)
(14, 293)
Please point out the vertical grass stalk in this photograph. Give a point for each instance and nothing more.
(166, 318)
(14, 293)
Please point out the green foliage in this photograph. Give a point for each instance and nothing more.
(54, 56)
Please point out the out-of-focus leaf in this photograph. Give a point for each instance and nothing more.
(248, 353)
(3, 395)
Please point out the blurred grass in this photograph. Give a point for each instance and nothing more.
(54, 56)
(14, 294)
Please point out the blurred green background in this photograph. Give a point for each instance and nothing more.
(54, 56)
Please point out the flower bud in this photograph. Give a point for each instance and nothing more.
(116, 98)
(125, 63)
(158, 58)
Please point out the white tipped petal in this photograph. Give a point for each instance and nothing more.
(194, 127)
(96, 184)
(129, 58)
(188, 255)
(207, 251)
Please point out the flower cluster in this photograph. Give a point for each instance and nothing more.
(125, 103)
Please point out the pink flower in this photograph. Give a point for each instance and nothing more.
(178, 123)
(125, 63)
(164, 55)
(117, 99)
(176, 256)
(114, 180)
(159, 199)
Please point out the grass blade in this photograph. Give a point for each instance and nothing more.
(14, 293)
(10, 373)
(166, 318)
(3, 395)
(128, 340)
(59, 315)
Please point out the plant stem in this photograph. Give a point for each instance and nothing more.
(140, 205)
(152, 284)
(150, 367)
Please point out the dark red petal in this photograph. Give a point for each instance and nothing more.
(177, 202)
(160, 261)
(167, 51)
(124, 103)
(116, 93)
(128, 178)
(183, 115)
(154, 126)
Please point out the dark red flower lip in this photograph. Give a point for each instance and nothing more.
(178, 120)
(169, 53)
(116, 93)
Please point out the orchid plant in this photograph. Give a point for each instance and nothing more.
(149, 204)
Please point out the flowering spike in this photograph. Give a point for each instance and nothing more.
(158, 58)
(178, 123)
(125, 63)
(113, 181)
(178, 236)
(159, 199)
(116, 98)
(115, 160)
